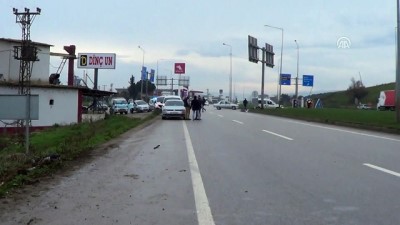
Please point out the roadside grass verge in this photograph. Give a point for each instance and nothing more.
(365, 119)
(53, 148)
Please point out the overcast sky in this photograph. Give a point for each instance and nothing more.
(193, 31)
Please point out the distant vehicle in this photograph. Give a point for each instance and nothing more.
(173, 108)
(169, 97)
(159, 102)
(364, 106)
(119, 105)
(386, 100)
(225, 105)
(152, 103)
(268, 104)
(141, 106)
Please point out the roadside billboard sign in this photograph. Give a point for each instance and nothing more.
(14, 107)
(96, 60)
(180, 68)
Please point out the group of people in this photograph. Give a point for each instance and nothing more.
(196, 105)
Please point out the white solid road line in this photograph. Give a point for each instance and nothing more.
(220, 115)
(347, 131)
(270, 132)
(203, 209)
(382, 169)
(236, 121)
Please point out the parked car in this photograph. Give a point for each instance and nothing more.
(119, 105)
(169, 97)
(139, 106)
(173, 108)
(131, 106)
(268, 104)
(364, 106)
(159, 102)
(226, 105)
(152, 103)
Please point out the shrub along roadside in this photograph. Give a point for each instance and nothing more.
(53, 148)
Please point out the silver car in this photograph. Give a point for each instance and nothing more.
(173, 108)
(226, 105)
(141, 106)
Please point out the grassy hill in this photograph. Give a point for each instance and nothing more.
(340, 99)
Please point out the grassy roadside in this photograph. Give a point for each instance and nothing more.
(53, 148)
(366, 119)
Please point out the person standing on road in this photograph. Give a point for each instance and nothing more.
(196, 107)
(186, 103)
(203, 103)
(245, 104)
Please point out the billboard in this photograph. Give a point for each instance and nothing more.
(96, 60)
(179, 68)
(14, 107)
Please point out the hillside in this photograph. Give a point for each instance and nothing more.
(341, 100)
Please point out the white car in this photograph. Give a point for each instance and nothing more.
(170, 97)
(268, 104)
(226, 105)
(173, 108)
(141, 106)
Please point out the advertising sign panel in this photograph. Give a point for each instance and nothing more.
(179, 68)
(96, 60)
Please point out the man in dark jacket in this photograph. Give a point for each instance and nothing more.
(245, 104)
(196, 107)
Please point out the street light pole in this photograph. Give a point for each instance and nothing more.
(398, 66)
(280, 67)
(297, 75)
(230, 72)
(141, 86)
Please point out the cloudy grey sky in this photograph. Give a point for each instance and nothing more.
(192, 31)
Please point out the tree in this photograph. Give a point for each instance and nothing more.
(132, 89)
(285, 99)
(356, 91)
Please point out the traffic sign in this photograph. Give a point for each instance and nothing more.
(308, 80)
(285, 79)
(179, 68)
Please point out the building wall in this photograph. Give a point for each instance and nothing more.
(9, 66)
(64, 111)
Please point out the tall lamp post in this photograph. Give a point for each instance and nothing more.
(280, 67)
(297, 75)
(141, 86)
(230, 72)
(398, 66)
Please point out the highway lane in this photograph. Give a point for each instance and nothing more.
(317, 176)
(229, 168)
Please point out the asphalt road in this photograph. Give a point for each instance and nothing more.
(229, 168)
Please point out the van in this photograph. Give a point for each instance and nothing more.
(268, 104)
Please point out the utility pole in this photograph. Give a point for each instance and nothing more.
(397, 91)
(141, 86)
(297, 75)
(27, 54)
